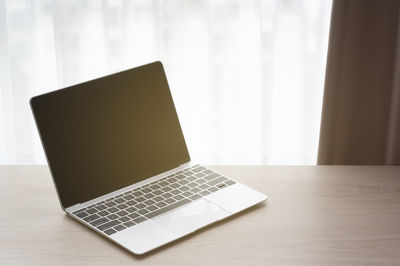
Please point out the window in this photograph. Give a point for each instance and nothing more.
(246, 76)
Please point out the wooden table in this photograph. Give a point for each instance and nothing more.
(315, 215)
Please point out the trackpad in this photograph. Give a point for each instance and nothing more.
(191, 217)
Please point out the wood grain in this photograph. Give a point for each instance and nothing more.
(315, 215)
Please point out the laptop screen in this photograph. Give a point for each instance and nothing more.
(108, 133)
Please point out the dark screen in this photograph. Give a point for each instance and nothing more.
(105, 134)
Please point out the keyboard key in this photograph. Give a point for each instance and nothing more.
(161, 204)
(108, 225)
(129, 224)
(184, 188)
(119, 200)
(122, 206)
(221, 186)
(216, 181)
(101, 207)
(120, 195)
(124, 219)
(212, 189)
(91, 210)
(142, 211)
(130, 203)
(163, 183)
(166, 189)
(91, 218)
(140, 206)
(152, 208)
(204, 186)
(179, 176)
(157, 192)
(172, 180)
(175, 192)
(122, 213)
(158, 198)
(139, 219)
(103, 213)
(167, 208)
(200, 181)
(82, 214)
(183, 182)
(149, 195)
(191, 178)
(207, 172)
(178, 197)
(119, 227)
(166, 195)
(170, 201)
(199, 174)
(188, 173)
(195, 197)
(155, 187)
(140, 199)
(137, 194)
(133, 215)
(130, 209)
(128, 197)
(192, 185)
(175, 185)
(149, 202)
(110, 204)
(112, 216)
(204, 193)
(99, 221)
(187, 194)
(110, 231)
(112, 209)
(230, 182)
(146, 190)
(195, 190)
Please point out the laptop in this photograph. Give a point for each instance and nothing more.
(120, 164)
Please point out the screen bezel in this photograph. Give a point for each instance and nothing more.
(33, 102)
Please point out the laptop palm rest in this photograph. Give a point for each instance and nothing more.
(143, 237)
(168, 227)
(191, 217)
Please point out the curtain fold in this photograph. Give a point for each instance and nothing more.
(361, 115)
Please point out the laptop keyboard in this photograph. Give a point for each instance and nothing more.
(140, 204)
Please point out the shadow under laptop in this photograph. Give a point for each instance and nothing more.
(191, 235)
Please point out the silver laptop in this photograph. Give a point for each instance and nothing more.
(120, 164)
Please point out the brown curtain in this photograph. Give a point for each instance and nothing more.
(361, 106)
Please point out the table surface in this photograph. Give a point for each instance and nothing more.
(330, 215)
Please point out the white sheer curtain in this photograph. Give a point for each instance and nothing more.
(246, 75)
